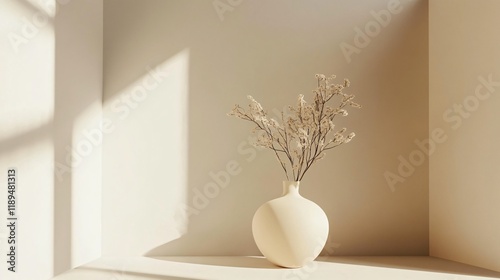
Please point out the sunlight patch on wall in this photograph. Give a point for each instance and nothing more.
(86, 183)
(145, 158)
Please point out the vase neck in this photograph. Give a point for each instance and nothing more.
(291, 187)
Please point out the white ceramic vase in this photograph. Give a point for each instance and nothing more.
(290, 231)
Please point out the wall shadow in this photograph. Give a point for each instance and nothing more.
(366, 217)
(27, 138)
(33, 9)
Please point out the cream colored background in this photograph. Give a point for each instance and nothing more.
(163, 150)
(464, 172)
(160, 149)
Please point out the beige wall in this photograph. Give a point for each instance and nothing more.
(170, 136)
(50, 94)
(464, 171)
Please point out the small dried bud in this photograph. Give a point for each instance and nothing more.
(349, 137)
(355, 105)
(275, 123)
(320, 77)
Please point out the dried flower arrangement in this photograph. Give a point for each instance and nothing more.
(301, 138)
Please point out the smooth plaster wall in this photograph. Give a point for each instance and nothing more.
(78, 114)
(464, 170)
(170, 138)
(50, 93)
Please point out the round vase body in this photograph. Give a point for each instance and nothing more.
(290, 231)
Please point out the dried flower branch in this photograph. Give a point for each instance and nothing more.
(301, 138)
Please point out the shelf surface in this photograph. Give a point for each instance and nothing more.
(236, 268)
